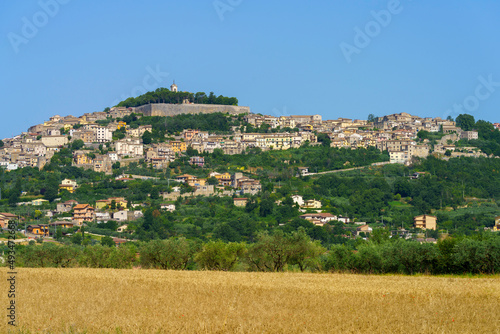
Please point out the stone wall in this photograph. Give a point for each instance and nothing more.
(165, 109)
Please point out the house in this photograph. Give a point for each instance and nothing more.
(323, 217)
(68, 185)
(186, 178)
(121, 124)
(250, 187)
(122, 228)
(81, 158)
(62, 224)
(118, 201)
(159, 163)
(303, 170)
(425, 222)
(39, 202)
(178, 146)
(496, 227)
(198, 161)
(120, 215)
(239, 202)
(364, 229)
(344, 220)
(224, 179)
(311, 204)
(168, 207)
(101, 216)
(469, 135)
(119, 241)
(5, 217)
(83, 212)
(39, 230)
(66, 206)
(297, 199)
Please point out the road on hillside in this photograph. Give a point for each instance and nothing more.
(348, 169)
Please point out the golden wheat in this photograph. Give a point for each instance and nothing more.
(154, 301)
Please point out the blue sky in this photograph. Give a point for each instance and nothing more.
(336, 58)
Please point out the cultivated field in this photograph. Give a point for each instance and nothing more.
(153, 301)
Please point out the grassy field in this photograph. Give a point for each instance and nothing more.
(153, 301)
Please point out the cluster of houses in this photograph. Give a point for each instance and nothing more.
(227, 185)
(110, 209)
(395, 133)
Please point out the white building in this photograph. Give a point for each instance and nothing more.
(103, 134)
(130, 147)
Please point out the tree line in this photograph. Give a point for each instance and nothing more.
(165, 95)
(280, 251)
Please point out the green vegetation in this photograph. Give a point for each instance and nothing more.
(164, 95)
(280, 251)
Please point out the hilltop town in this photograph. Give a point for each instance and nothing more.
(144, 152)
(397, 134)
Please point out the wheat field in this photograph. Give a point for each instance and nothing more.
(153, 301)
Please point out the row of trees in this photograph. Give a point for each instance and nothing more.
(279, 251)
(165, 95)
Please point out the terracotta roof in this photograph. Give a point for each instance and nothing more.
(82, 206)
(7, 214)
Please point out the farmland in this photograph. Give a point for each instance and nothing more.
(82, 300)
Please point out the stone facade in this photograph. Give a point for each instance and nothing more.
(164, 109)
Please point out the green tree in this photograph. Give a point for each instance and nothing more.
(466, 122)
(173, 253)
(217, 255)
(324, 139)
(146, 138)
(77, 144)
(305, 253)
(107, 241)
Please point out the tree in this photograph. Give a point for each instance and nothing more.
(146, 138)
(107, 241)
(217, 255)
(173, 253)
(372, 118)
(272, 252)
(1, 143)
(324, 139)
(51, 192)
(305, 253)
(77, 144)
(266, 207)
(466, 122)
(212, 181)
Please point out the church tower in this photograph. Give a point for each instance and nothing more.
(173, 87)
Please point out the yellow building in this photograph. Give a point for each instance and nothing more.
(39, 202)
(68, 185)
(119, 201)
(178, 146)
(425, 222)
(41, 230)
(224, 179)
(497, 224)
(81, 158)
(121, 124)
